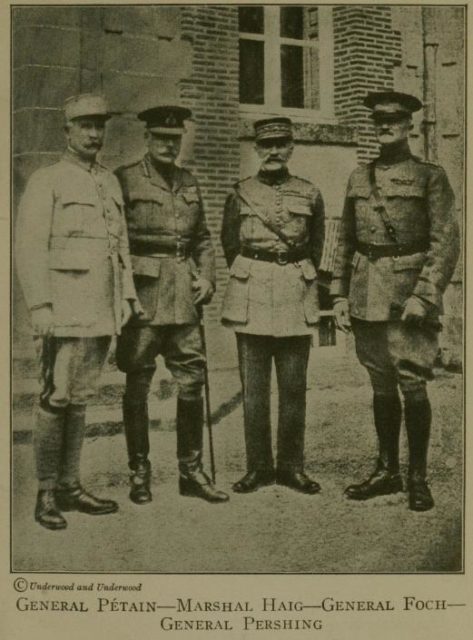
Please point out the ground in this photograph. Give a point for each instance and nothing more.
(272, 530)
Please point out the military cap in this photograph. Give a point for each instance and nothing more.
(391, 105)
(165, 119)
(273, 128)
(86, 105)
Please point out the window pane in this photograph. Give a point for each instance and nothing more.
(251, 19)
(292, 22)
(300, 77)
(251, 72)
(311, 27)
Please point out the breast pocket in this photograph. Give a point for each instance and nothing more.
(188, 204)
(75, 214)
(144, 208)
(404, 188)
(299, 212)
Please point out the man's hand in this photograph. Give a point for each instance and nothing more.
(42, 320)
(414, 311)
(342, 315)
(203, 291)
(136, 308)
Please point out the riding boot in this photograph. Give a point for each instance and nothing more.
(136, 424)
(193, 481)
(386, 478)
(418, 421)
(74, 431)
(48, 444)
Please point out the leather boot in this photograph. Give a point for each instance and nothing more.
(48, 440)
(47, 512)
(192, 480)
(386, 478)
(418, 416)
(77, 499)
(74, 431)
(136, 425)
(297, 480)
(140, 478)
(254, 480)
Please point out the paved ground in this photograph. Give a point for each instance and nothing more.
(272, 530)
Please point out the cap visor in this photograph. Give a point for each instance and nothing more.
(171, 131)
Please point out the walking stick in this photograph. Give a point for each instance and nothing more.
(208, 414)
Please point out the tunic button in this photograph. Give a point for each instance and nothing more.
(373, 229)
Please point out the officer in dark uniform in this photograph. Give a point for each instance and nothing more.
(272, 236)
(174, 271)
(397, 251)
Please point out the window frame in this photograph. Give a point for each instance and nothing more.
(272, 72)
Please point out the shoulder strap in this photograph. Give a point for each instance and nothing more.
(380, 205)
(265, 220)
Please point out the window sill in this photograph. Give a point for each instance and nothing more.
(308, 131)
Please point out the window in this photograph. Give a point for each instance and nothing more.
(286, 59)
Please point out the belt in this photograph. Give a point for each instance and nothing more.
(375, 251)
(281, 257)
(179, 250)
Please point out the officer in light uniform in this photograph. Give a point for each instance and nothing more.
(397, 251)
(74, 267)
(272, 236)
(174, 270)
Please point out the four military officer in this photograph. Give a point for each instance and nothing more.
(272, 236)
(174, 270)
(74, 267)
(398, 247)
(397, 251)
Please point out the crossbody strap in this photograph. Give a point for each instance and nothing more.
(380, 204)
(266, 221)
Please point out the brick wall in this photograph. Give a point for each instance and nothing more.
(366, 48)
(211, 91)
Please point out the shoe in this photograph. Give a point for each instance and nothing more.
(47, 512)
(77, 499)
(140, 492)
(420, 497)
(198, 485)
(298, 481)
(382, 482)
(253, 481)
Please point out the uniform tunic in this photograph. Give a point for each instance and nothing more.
(268, 298)
(421, 207)
(72, 247)
(160, 216)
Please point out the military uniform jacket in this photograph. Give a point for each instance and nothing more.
(267, 298)
(420, 206)
(159, 216)
(72, 247)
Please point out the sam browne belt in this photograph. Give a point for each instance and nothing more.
(281, 257)
(375, 251)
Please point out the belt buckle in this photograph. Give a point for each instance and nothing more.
(371, 255)
(180, 251)
(282, 261)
